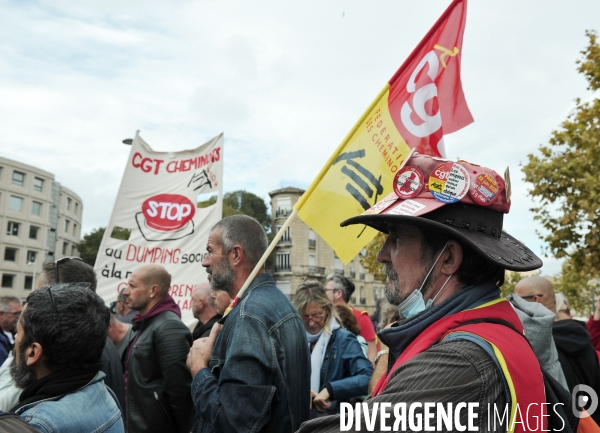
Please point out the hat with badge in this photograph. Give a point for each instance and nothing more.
(463, 200)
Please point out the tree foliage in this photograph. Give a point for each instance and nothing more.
(369, 260)
(580, 291)
(564, 179)
(90, 244)
(243, 202)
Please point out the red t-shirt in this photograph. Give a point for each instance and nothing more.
(367, 330)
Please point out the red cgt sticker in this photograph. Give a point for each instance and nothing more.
(168, 212)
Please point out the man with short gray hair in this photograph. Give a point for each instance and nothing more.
(255, 374)
(339, 289)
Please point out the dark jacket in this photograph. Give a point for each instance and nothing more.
(113, 369)
(258, 376)
(577, 356)
(157, 380)
(346, 371)
(5, 347)
(203, 329)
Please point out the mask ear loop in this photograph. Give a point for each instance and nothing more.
(433, 266)
(442, 288)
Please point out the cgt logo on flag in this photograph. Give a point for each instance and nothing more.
(166, 217)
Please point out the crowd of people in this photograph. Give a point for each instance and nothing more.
(445, 335)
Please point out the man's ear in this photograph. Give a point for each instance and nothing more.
(237, 256)
(451, 258)
(34, 354)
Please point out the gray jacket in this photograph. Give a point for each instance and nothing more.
(537, 321)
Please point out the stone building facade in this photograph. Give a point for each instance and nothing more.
(40, 221)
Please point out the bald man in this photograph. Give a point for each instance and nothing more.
(157, 381)
(203, 309)
(576, 354)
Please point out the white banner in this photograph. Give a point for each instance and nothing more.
(157, 203)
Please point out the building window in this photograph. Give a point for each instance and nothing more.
(31, 255)
(284, 207)
(33, 232)
(286, 238)
(18, 178)
(285, 287)
(7, 281)
(15, 203)
(361, 272)
(36, 208)
(1, 172)
(74, 229)
(338, 266)
(13, 228)
(38, 184)
(67, 226)
(28, 283)
(73, 250)
(10, 254)
(69, 203)
(65, 248)
(283, 262)
(362, 299)
(76, 208)
(312, 239)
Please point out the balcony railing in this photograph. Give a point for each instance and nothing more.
(285, 241)
(312, 243)
(316, 270)
(361, 276)
(338, 271)
(283, 268)
(282, 213)
(352, 274)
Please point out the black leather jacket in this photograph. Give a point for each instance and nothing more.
(158, 380)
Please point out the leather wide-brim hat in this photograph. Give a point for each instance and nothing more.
(463, 200)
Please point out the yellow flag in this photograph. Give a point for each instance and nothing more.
(423, 100)
(359, 175)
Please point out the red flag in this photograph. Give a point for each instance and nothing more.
(426, 99)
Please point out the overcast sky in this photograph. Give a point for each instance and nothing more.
(285, 81)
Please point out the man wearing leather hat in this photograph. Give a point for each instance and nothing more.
(457, 340)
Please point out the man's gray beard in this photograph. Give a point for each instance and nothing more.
(21, 374)
(222, 277)
(392, 293)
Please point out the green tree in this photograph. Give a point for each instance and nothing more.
(580, 291)
(369, 260)
(90, 244)
(243, 202)
(564, 178)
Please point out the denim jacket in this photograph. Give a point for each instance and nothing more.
(89, 409)
(345, 368)
(258, 376)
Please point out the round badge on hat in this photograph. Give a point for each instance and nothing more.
(408, 182)
(449, 182)
(484, 189)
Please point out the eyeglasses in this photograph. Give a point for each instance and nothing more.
(49, 291)
(58, 262)
(14, 313)
(316, 317)
(331, 290)
(528, 298)
(565, 310)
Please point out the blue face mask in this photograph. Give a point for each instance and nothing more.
(414, 303)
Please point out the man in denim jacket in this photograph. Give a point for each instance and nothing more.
(258, 375)
(60, 338)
